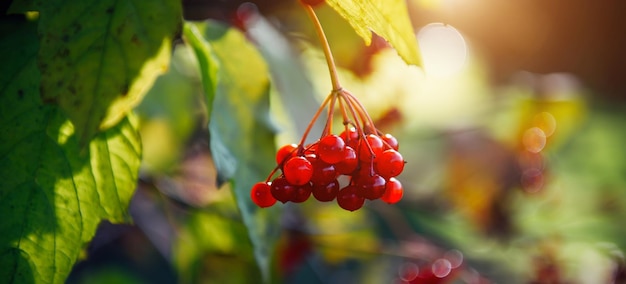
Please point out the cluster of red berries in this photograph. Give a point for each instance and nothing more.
(360, 163)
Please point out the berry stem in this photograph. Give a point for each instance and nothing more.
(325, 46)
(353, 113)
(344, 114)
(367, 120)
(308, 128)
(328, 128)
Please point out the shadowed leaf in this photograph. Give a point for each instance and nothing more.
(53, 195)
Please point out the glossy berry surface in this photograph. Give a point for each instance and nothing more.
(303, 193)
(298, 170)
(326, 192)
(282, 190)
(330, 149)
(351, 137)
(391, 141)
(375, 146)
(323, 173)
(285, 152)
(261, 195)
(349, 163)
(349, 199)
(389, 163)
(371, 187)
(393, 191)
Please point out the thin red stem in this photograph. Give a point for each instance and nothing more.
(317, 114)
(325, 47)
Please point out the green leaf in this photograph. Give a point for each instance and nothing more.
(207, 61)
(225, 162)
(387, 18)
(52, 194)
(98, 58)
(240, 126)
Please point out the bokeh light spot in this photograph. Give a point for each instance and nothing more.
(532, 180)
(408, 271)
(534, 140)
(455, 257)
(441, 267)
(443, 49)
(546, 122)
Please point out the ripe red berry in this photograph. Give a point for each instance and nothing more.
(285, 152)
(393, 191)
(323, 173)
(326, 192)
(348, 199)
(376, 145)
(282, 190)
(389, 163)
(330, 149)
(391, 141)
(371, 187)
(261, 195)
(303, 193)
(349, 163)
(298, 170)
(351, 137)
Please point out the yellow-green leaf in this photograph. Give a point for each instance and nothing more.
(387, 18)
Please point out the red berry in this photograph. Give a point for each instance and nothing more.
(261, 195)
(303, 193)
(311, 148)
(389, 163)
(348, 199)
(349, 163)
(298, 170)
(376, 145)
(285, 152)
(330, 149)
(391, 141)
(326, 192)
(282, 190)
(371, 187)
(393, 191)
(312, 3)
(323, 173)
(351, 137)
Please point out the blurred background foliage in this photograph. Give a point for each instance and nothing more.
(513, 133)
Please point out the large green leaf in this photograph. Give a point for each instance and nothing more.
(242, 137)
(387, 18)
(53, 193)
(99, 57)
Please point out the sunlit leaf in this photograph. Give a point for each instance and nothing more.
(98, 58)
(52, 194)
(387, 18)
(241, 133)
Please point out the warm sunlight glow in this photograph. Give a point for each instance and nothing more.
(444, 51)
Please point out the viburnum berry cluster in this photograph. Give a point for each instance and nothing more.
(359, 163)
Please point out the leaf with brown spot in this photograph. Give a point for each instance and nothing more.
(102, 56)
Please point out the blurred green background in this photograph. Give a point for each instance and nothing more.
(513, 133)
